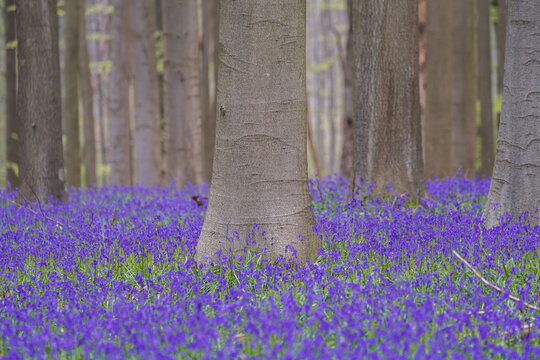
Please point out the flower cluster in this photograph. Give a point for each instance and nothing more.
(111, 274)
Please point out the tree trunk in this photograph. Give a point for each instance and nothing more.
(12, 151)
(183, 137)
(147, 148)
(500, 34)
(348, 107)
(260, 162)
(516, 176)
(464, 87)
(39, 108)
(120, 154)
(484, 87)
(438, 115)
(388, 142)
(71, 95)
(208, 100)
(87, 95)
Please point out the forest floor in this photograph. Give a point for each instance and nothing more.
(110, 274)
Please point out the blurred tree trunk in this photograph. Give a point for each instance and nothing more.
(516, 176)
(464, 87)
(500, 35)
(147, 148)
(39, 108)
(210, 19)
(388, 142)
(484, 87)
(87, 95)
(438, 115)
(260, 164)
(12, 151)
(71, 93)
(348, 107)
(120, 154)
(183, 137)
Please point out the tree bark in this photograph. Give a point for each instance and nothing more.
(39, 108)
(500, 34)
(183, 136)
(71, 95)
(484, 88)
(12, 151)
(516, 176)
(464, 87)
(260, 162)
(120, 154)
(210, 17)
(388, 142)
(87, 95)
(348, 107)
(147, 147)
(438, 115)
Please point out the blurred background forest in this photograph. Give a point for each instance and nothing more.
(474, 41)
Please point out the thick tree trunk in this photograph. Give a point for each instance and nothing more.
(260, 164)
(500, 34)
(516, 176)
(183, 136)
(71, 93)
(464, 87)
(348, 106)
(438, 115)
(120, 154)
(12, 150)
(484, 88)
(39, 108)
(87, 95)
(210, 17)
(147, 148)
(388, 142)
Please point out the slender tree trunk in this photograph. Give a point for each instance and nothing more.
(39, 108)
(147, 148)
(484, 87)
(438, 116)
(183, 137)
(87, 102)
(388, 144)
(208, 106)
(12, 151)
(348, 108)
(71, 96)
(120, 154)
(260, 162)
(516, 176)
(464, 87)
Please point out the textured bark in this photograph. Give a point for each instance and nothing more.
(71, 93)
(516, 176)
(388, 142)
(120, 154)
(183, 136)
(210, 17)
(438, 115)
(464, 87)
(484, 88)
(147, 148)
(39, 108)
(12, 151)
(87, 95)
(260, 164)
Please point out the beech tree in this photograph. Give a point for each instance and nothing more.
(260, 161)
(120, 154)
(39, 108)
(516, 177)
(388, 143)
(12, 150)
(182, 107)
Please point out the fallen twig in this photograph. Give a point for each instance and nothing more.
(495, 287)
(61, 225)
